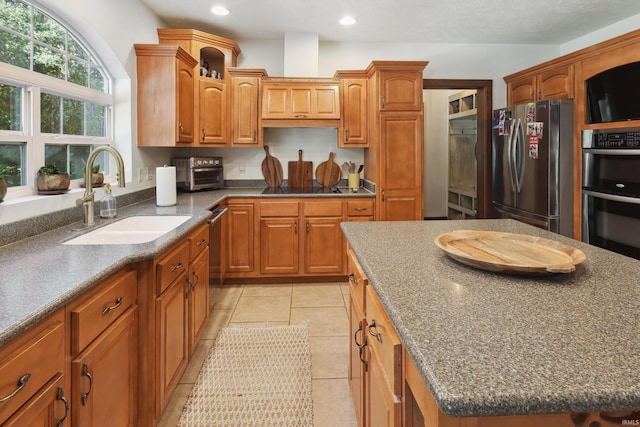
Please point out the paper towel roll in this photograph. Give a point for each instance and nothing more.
(166, 192)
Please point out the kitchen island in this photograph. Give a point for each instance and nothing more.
(488, 344)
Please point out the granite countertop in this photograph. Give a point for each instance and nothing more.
(491, 344)
(39, 275)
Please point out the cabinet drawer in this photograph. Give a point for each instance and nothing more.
(357, 280)
(360, 207)
(199, 241)
(91, 317)
(171, 266)
(384, 341)
(30, 361)
(271, 209)
(333, 208)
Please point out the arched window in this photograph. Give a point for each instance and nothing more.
(55, 97)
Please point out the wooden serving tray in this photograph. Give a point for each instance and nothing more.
(510, 253)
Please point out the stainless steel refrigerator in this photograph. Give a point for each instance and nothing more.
(532, 173)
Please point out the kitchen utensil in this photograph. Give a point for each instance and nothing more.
(360, 168)
(300, 173)
(346, 167)
(271, 170)
(510, 253)
(328, 172)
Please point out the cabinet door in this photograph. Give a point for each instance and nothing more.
(400, 91)
(48, 407)
(240, 238)
(198, 298)
(521, 91)
(185, 106)
(171, 338)
(353, 132)
(556, 84)
(212, 112)
(324, 247)
(244, 111)
(104, 377)
(279, 245)
(401, 148)
(382, 406)
(357, 361)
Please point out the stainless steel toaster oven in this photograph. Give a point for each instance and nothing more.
(198, 173)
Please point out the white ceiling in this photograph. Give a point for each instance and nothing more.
(430, 21)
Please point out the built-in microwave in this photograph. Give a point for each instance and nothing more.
(611, 190)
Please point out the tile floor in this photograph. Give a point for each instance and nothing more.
(324, 305)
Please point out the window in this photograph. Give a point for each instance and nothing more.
(55, 97)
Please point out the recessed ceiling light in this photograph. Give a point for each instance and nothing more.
(347, 20)
(219, 10)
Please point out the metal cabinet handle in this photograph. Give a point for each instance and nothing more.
(204, 133)
(85, 373)
(201, 242)
(346, 134)
(180, 129)
(307, 227)
(373, 332)
(383, 194)
(177, 266)
(113, 307)
(295, 227)
(21, 383)
(359, 209)
(60, 396)
(361, 346)
(353, 278)
(255, 134)
(382, 101)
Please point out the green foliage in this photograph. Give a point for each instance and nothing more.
(9, 170)
(49, 170)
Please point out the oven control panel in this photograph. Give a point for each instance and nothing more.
(610, 139)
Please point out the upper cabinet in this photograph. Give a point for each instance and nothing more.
(198, 97)
(165, 95)
(353, 127)
(244, 111)
(300, 102)
(398, 90)
(553, 83)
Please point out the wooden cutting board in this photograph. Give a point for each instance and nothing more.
(328, 173)
(509, 252)
(300, 173)
(271, 170)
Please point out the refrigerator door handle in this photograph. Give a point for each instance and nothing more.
(510, 155)
(520, 152)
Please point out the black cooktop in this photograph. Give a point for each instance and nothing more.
(301, 190)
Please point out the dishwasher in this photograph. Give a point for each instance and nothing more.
(215, 252)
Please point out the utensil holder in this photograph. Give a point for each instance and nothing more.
(354, 181)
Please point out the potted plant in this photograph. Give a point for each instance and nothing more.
(7, 170)
(51, 181)
(97, 178)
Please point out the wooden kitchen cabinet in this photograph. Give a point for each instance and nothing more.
(104, 351)
(358, 351)
(245, 107)
(553, 83)
(198, 298)
(212, 112)
(279, 237)
(360, 210)
(395, 158)
(308, 102)
(165, 75)
(353, 131)
(32, 376)
(240, 237)
(171, 321)
(323, 240)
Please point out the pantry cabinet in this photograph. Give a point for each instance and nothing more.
(552, 83)
(394, 160)
(165, 76)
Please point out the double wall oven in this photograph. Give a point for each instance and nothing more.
(611, 190)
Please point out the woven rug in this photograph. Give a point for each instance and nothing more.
(254, 376)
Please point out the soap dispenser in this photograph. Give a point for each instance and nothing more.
(108, 203)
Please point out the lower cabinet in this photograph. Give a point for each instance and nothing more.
(32, 377)
(198, 298)
(240, 235)
(323, 239)
(104, 350)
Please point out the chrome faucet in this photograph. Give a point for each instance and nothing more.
(87, 202)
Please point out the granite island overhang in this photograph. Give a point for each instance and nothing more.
(489, 344)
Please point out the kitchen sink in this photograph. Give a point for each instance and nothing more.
(131, 230)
